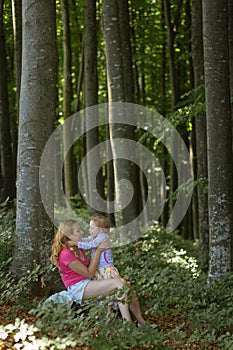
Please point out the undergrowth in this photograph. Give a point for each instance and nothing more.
(164, 271)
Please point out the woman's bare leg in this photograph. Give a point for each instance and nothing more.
(104, 288)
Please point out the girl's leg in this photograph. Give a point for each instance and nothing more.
(104, 288)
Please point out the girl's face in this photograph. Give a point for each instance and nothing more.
(75, 236)
(94, 230)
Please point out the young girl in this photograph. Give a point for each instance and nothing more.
(76, 270)
(99, 231)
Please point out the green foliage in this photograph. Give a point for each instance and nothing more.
(27, 337)
(191, 105)
(95, 327)
(14, 289)
(7, 225)
(164, 271)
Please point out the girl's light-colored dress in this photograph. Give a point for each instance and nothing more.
(106, 273)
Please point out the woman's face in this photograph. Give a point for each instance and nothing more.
(76, 235)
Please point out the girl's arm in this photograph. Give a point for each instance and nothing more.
(89, 271)
(92, 242)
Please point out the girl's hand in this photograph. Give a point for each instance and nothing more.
(104, 245)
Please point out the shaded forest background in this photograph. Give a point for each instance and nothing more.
(174, 57)
(171, 57)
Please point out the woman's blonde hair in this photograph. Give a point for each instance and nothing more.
(101, 222)
(61, 238)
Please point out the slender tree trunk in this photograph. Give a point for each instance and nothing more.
(200, 130)
(171, 32)
(219, 135)
(194, 203)
(110, 179)
(128, 80)
(126, 53)
(90, 54)
(34, 230)
(230, 31)
(91, 99)
(172, 28)
(78, 104)
(67, 97)
(7, 178)
(135, 66)
(191, 223)
(165, 214)
(17, 26)
(123, 169)
(188, 30)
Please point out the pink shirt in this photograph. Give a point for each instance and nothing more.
(68, 276)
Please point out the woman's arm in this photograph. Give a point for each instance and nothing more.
(89, 271)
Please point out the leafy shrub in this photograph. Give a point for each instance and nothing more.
(7, 227)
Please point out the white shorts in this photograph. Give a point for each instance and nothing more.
(76, 291)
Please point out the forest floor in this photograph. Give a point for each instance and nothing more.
(10, 312)
(164, 271)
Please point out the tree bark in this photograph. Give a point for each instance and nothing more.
(67, 97)
(200, 130)
(172, 28)
(219, 135)
(128, 81)
(230, 31)
(91, 99)
(34, 230)
(126, 50)
(123, 169)
(171, 33)
(17, 26)
(165, 213)
(7, 188)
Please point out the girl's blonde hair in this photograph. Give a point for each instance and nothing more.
(101, 222)
(61, 238)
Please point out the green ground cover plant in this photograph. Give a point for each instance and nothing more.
(163, 269)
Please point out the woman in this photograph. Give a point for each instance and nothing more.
(77, 272)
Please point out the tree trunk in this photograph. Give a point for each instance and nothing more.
(91, 99)
(230, 31)
(135, 66)
(164, 163)
(17, 25)
(123, 169)
(128, 80)
(34, 230)
(7, 178)
(171, 32)
(219, 135)
(67, 97)
(78, 104)
(110, 179)
(200, 130)
(172, 29)
(126, 50)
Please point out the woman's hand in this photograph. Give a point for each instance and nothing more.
(104, 245)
